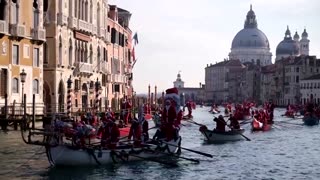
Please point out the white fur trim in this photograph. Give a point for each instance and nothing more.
(172, 96)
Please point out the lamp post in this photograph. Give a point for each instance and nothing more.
(23, 76)
(97, 86)
(69, 103)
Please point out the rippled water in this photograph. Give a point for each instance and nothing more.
(287, 152)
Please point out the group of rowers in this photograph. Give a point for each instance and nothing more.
(106, 127)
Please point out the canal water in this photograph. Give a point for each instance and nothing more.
(288, 151)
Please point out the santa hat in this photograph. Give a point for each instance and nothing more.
(172, 93)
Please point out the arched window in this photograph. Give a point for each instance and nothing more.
(98, 17)
(35, 14)
(76, 8)
(70, 52)
(14, 12)
(91, 11)
(91, 54)
(86, 53)
(15, 85)
(35, 86)
(98, 58)
(86, 11)
(3, 10)
(60, 51)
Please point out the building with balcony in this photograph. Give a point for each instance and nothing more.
(21, 49)
(119, 51)
(76, 48)
(310, 89)
(88, 42)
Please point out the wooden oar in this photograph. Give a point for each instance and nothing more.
(128, 136)
(193, 122)
(154, 160)
(292, 123)
(238, 132)
(194, 151)
(172, 154)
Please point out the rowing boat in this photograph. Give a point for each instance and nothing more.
(310, 120)
(216, 136)
(68, 155)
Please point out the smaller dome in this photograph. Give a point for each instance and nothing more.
(287, 47)
(304, 34)
(296, 36)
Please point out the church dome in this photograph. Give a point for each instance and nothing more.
(250, 36)
(287, 46)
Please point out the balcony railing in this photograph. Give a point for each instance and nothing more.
(17, 30)
(62, 19)
(104, 67)
(38, 34)
(85, 68)
(117, 78)
(73, 22)
(3, 27)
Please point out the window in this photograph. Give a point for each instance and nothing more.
(35, 86)
(14, 12)
(60, 51)
(3, 7)
(26, 51)
(45, 51)
(35, 14)
(36, 61)
(70, 52)
(15, 54)
(15, 85)
(3, 82)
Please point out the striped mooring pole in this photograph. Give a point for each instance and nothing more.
(97, 85)
(69, 103)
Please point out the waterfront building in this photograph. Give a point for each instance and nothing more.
(222, 81)
(85, 42)
(310, 89)
(289, 72)
(21, 49)
(195, 94)
(251, 44)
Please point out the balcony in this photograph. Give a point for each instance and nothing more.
(62, 19)
(127, 70)
(3, 27)
(101, 32)
(85, 26)
(104, 67)
(85, 68)
(38, 34)
(17, 30)
(94, 30)
(117, 78)
(73, 22)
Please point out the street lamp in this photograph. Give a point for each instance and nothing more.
(23, 76)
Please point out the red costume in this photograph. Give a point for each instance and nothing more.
(126, 107)
(135, 133)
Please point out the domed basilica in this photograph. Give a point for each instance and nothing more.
(293, 47)
(251, 44)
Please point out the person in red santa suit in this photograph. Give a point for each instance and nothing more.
(171, 114)
(126, 107)
(135, 133)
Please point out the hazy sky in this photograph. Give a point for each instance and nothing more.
(186, 35)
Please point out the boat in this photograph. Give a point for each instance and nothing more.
(259, 126)
(68, 155)
(310, 120)
(216, 136)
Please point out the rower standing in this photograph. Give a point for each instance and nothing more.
(234, 123)
(220, 124)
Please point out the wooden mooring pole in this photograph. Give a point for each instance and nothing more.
(33, 110)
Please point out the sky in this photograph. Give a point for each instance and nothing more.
(186, 35)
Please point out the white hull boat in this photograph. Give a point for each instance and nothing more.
(67, 155)
(214, 136)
